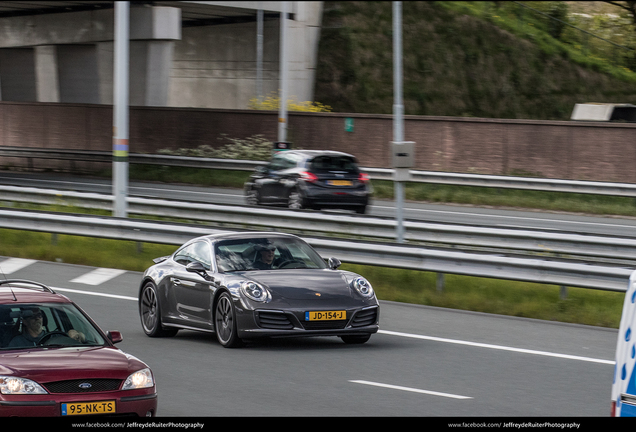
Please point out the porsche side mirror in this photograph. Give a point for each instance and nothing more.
(334, 263)
(197, 267)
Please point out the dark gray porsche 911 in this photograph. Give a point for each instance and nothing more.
(244, 286)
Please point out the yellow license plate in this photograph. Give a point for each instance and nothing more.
(339, 182)
(325, 315)
(84, 408)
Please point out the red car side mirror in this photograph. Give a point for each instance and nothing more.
(115, 336)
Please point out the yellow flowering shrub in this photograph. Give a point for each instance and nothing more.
(272, 102)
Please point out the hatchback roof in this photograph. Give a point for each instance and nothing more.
(311, 153)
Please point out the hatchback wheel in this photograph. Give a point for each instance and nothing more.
(295, 201)
(149, 312)
(251, 197)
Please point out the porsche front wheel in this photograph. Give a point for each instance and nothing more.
(225, 322)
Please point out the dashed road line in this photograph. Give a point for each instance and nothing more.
(98, 276)
(12, 265)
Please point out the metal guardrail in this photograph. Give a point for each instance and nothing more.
(367, 253)
(574, 246)
(458, 179)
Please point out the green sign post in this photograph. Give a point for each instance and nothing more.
(348, 124)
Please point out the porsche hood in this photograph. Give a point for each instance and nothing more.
(303, 284)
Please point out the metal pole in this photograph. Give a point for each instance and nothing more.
(398, 111)
(282, 108)
(120, 109)
(259, 54)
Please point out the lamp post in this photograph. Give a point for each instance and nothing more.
(120, 109)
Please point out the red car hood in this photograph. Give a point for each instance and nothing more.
(57, 364)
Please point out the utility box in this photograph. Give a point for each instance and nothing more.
(403, 154)
(402, 158)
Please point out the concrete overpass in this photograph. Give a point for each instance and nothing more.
(182, 53)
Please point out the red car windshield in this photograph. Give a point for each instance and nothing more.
(24, 326)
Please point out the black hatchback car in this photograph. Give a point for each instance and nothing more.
(312, 179)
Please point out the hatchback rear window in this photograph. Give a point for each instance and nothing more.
(333, 163)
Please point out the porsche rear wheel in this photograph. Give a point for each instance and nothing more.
(149, 312)
(225, 322)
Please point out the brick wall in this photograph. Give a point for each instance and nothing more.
(551, 149)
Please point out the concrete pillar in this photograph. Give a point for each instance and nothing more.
(150, 65)
(78, 75)
(105, 71)
(153, 31)
(17, 75)
(46, 75)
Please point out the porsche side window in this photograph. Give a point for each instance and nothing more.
(201, 253)
(196, 252)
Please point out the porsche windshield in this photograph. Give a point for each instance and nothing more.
(266, 254)
(45, 325)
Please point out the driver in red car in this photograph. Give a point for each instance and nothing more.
(32, 329)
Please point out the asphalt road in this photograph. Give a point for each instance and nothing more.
(424, 362)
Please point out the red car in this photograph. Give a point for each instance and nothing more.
(55, 361)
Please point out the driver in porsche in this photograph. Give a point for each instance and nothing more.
(265, 256)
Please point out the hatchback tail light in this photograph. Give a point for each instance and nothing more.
(308, 177)
(363, 178)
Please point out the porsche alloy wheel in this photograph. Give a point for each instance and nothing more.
(225, 322)
(149, 313)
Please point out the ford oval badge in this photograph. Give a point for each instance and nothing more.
(85, 386)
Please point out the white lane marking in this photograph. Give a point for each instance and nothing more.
(499, 347)
(11, 265)
(121, 297)
(413, 336)
(428, 392)
(98, 276)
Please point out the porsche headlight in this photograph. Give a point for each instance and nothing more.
(256, 292)
(22, 386)
(363, 287)
(138, 380)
